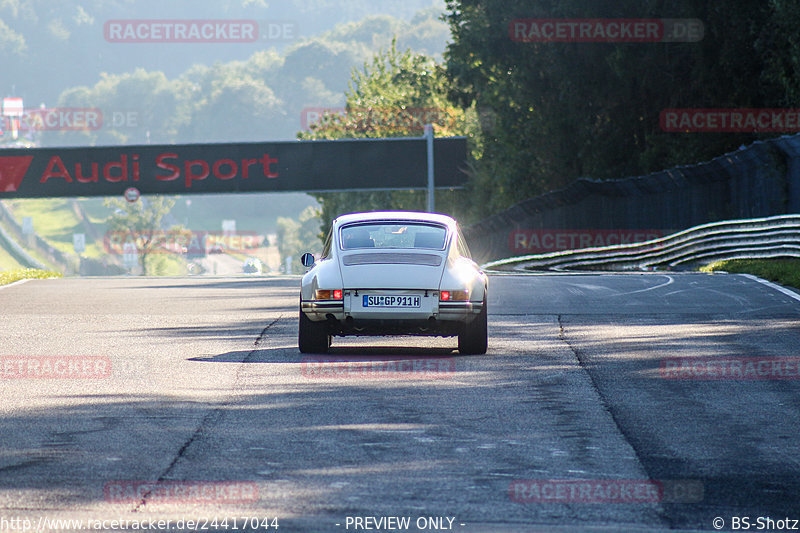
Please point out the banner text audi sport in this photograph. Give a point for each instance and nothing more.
(361, 164)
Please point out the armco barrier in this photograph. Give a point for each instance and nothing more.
(17, 252)
(777, 236)
(15, 235)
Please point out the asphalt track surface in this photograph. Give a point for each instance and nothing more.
(196, 404)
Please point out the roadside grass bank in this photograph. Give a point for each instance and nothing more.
(783, 271)
(10, 276)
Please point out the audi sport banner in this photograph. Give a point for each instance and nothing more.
(237, 167)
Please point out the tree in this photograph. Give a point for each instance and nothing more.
(394, 95)
(11, 42)
(564, 110)
(174, 98)
(136, 107)
(140, 222)
(297, 236)
(237, 109)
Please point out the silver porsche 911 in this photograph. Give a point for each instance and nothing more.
(393, 273)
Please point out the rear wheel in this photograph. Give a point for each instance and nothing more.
(313, 336)
(474, 337)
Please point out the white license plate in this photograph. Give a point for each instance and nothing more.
(374, 300)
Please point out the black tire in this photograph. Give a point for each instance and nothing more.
(474, 337)
(313, 337)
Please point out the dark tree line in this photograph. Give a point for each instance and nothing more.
(563, 110)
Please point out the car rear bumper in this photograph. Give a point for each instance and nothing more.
(456, 310)
(314, 308)
(440, 319)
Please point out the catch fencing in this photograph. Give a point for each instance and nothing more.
(759, 180)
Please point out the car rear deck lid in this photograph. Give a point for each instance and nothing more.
(392, 258)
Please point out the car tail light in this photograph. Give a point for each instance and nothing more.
(454, 296)
(322, 294)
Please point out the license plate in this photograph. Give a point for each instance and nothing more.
(390, 301)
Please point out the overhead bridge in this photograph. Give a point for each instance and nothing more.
(286, 166)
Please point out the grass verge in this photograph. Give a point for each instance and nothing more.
(7, 261)
(10, 276)
(55, 221)
(783, 271)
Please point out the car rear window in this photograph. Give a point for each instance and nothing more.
(409, 235)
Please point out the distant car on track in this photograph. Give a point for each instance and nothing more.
(393, 273)
(252, 265)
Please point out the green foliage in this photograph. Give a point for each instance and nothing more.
(561, 111)
(393, 95)
(236, 93)
(53, 219)
(158, 105)
(11, 42)
(162, 264)
(425, 33)
(783, 271)
(297, 236)
(141, 220)
(10, 276)
(237, 101)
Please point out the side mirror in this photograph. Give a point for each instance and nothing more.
(307, 260)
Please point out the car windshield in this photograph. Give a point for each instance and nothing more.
(393, 235)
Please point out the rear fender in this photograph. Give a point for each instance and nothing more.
(463, 273)
(324, 275)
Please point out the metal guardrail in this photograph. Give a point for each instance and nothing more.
(777, 236)
(17, 252)
(44, 250)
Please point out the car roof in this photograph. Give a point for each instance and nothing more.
(409, 216)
